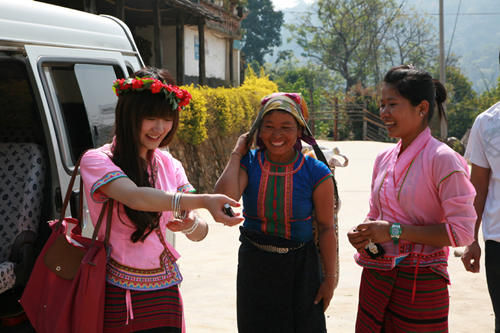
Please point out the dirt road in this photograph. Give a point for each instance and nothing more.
(209, 267)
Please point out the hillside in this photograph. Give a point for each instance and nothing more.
(476, 40)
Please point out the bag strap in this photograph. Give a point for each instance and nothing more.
(68, 194)
(109, 206)
(320, 156)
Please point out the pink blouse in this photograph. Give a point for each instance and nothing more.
(142, 265)
(427, 184)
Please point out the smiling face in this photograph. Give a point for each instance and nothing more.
(401, 118)
(279, 132)
(153, 131)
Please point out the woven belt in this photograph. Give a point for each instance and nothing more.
(274, 249)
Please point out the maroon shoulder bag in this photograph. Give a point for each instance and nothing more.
(66, 289)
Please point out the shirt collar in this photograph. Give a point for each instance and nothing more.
(403, 162)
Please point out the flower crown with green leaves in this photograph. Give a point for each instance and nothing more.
(176, 96)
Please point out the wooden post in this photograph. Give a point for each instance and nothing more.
(120, 9)
(231, 62)
(365, 127)
(93, 7)
(202, 75)
(179, 48)
(336, 121)
(89, 6)
(311, 115)
(157, 34)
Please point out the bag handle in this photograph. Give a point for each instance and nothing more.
(108, 204)
(68, 194)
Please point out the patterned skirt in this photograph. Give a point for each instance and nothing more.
(385, 301)
(151, 309)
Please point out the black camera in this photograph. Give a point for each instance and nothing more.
(228, 210)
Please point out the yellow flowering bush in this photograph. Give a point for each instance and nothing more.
(193, 119)
(223, 111)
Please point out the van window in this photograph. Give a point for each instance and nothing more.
(19, 116)
(83, 103)
(95, 85)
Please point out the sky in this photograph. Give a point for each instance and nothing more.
(283, 4)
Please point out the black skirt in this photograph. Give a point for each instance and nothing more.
(276, 291)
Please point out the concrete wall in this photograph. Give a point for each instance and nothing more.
(216, 52)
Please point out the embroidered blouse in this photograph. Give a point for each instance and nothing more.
(278, 198)
(144, 265)
(427, 184)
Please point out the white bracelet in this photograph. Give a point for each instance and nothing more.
(193, 227)
(177, 204)
(173, 204)
(178, 214)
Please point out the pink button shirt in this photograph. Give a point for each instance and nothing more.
(140, 265)
(427, 184)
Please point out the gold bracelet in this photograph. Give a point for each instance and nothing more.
(331, 276)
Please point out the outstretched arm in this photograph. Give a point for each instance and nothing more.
(150, 199)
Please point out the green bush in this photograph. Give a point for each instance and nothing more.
(222, 111)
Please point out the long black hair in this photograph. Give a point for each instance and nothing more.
(130, 111)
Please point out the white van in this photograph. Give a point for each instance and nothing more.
(56, 70)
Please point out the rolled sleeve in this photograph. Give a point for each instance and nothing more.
(457, 199)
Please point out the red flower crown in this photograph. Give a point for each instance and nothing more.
(177, 97)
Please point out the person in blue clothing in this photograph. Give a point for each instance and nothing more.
(280, 285)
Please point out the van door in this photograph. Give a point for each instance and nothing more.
(75, 89)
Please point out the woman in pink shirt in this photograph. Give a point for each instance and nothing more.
(421, 203)
(149, 188)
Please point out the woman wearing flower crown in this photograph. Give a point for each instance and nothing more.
(151, 192)
(279, 286)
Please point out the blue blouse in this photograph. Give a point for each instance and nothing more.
(278, 199)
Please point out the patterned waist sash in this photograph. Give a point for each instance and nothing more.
(145, 279)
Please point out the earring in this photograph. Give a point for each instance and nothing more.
(421, 114)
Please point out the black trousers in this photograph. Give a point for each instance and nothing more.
(275, 292)
(492, 263)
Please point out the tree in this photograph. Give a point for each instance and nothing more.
(312, 81)
(348, 36)
(262, 30)
(488, 98)
(411, 40)
(361, 39)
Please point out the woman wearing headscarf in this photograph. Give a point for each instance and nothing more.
(280, 285)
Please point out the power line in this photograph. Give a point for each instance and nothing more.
(434, 14)
(453, 33)
(468, 14)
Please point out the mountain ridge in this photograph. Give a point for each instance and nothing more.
(476, 40)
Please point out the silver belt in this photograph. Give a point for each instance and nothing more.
(274, 249)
